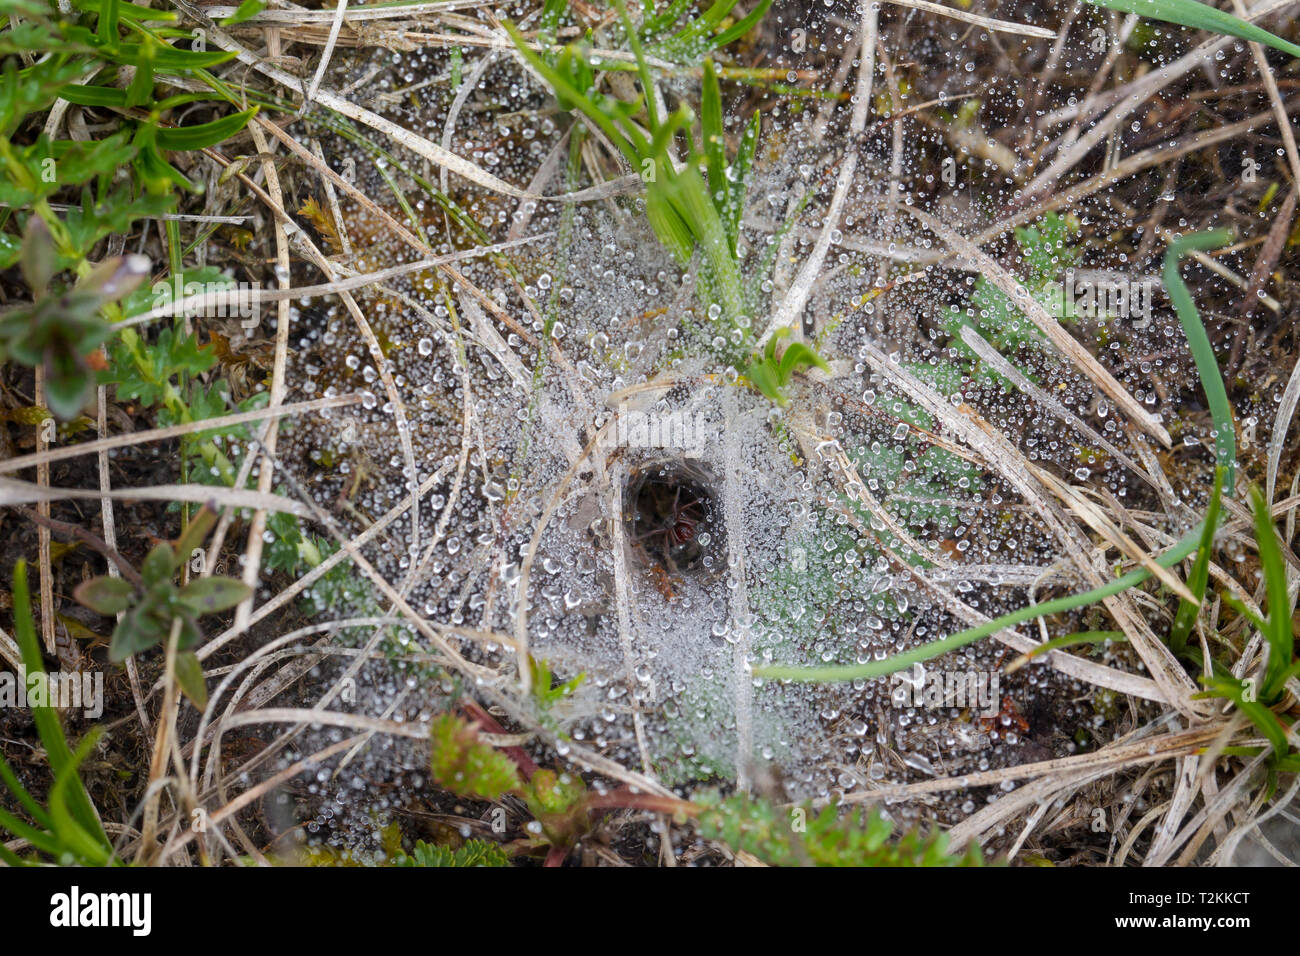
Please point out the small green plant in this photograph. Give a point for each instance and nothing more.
(165, 374)
(68, 831)
(470, 853)
(1225, 453)
(771, 376)
(796, 836)
(122, 46)
(105, 55)
(1045, 252)
(466, 766)
(690, 214)
(1253, 697)
(544, 694)
(559, 803)
(156, 605)
(61, 330)
(289, 549)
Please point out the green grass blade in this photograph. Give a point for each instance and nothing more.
(738, 182)
(711, 133)
(90, 845)
(108, 19)
(1226, 450)
(1067, 640)
(1200, 16)
(1264, 719)
(740, 28)
(1199, 579)
(1277, 630)
(642, 68)
(1207, 366)
(82, 95)
(41, 840)
(632, 151)
(652, 25)
(47, 721)
(14, 785)
(1180, 551)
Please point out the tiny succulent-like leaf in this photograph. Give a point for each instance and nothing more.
(105, 595)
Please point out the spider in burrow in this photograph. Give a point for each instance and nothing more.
(670, 523)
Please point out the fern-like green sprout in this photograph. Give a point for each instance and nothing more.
(796, 836)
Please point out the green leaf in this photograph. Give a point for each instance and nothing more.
(466, 767)
(189, 675)
(159, 565)
(105, 595)
(1199, 578)
(108, 17)
(246, 10)
(1263, 718)
(196, 532)
(209, 595)
(138, 631)
(1207, 366)
(738, 180)
(711, 132)
(46, 719)
(140, 91)
(669, 226)
(798, 356)
(204, 134)
(81, 834)
(1277, 630)
(166, 57)
(38, 258)
(740, 27)
(471, 853)
(763, 376)
(543, 692)
(1200, 16)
